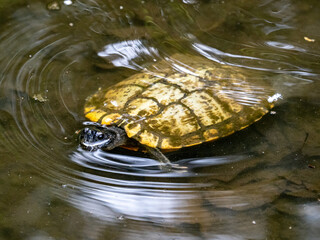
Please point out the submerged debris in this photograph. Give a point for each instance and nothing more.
(38, 97)
(53, 6)
(309, 39)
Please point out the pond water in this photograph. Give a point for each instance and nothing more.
(260, 183)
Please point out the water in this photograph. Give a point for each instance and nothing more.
(259, 183)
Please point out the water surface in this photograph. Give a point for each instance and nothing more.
(259, 183)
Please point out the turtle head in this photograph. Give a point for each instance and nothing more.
(95, 137)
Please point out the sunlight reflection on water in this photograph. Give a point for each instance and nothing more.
(239, 187)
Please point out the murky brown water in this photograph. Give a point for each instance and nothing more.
(260, 183)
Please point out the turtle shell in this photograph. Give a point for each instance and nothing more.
(182, 106)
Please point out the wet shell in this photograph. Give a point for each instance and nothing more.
(175, 109)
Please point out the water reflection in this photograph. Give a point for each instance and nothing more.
(124, 54)
(241, 187)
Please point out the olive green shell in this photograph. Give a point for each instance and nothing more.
(170, 109)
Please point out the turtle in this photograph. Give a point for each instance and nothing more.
(184, 103)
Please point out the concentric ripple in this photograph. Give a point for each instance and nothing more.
(54, 56)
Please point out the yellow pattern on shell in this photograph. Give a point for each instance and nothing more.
(170, 109)
(94, 115)
(187, 82)
(132, 129)
(164, 93)
(206, 108)
(211, 134)
(110, 118)
(170, 121)
(148, 138)
(142, 107)
(116, 98)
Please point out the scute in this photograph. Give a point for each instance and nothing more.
(142, 107)
(174, 120)
(164, 93)
(208, 109)
(171, 109)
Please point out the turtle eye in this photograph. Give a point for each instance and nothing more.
(100, 136)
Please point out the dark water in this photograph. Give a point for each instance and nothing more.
(260, 183)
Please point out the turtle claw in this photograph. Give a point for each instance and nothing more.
(172, 167)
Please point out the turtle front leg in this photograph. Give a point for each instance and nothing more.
(166, 165)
